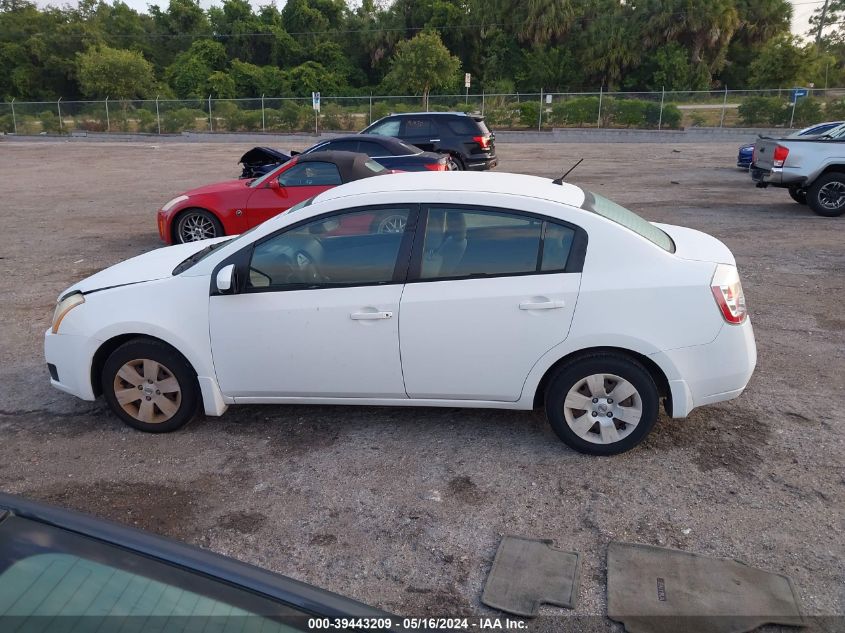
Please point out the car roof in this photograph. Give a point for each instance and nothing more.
(404, 114)
(376, 138)
(462, 181)
(351, 165)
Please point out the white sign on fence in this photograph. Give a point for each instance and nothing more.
(315, 101)
(467, 80)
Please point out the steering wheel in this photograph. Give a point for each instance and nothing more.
(304, 268)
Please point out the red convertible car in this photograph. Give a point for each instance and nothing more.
(233, 206)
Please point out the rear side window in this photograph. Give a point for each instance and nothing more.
(630, 220)
(340, 146)
(372, 149)
(465, 243)
(465, 126)
(418, 127)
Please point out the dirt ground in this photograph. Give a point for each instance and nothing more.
(403, 509)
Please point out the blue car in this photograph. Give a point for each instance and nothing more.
(746, 152)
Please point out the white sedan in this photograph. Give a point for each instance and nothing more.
(495, 290)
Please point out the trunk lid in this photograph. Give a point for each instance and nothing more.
(697, 246)
(764, 150)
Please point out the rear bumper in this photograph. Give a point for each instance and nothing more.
(481, 164)
(717, 371)
(776, 177)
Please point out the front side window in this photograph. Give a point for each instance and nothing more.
(311, 173)
(348, 249)
(386, 128)
(463, 243)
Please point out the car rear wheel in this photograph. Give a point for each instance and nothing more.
(197, 224)
(150, 386)
(826, 196)
(454, 163)
(603, 404)
(798, 194)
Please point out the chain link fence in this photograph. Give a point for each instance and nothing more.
(518, 111)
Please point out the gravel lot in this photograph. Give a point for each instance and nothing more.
(404, 509)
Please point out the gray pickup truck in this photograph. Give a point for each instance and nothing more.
(811, 167)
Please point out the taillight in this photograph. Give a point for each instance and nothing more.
(438, 166)
(779, 157)
(483, 141)
(727, 290)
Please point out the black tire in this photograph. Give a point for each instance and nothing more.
(569, 376)
(826, 196)
(133, 355)
(204, 223)
(459, 162)
(798, 194)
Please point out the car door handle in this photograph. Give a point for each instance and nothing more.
(370, 316)
(434, 140)
(542, 305)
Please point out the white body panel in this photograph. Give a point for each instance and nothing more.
(458, 343)
(306, 343)
(469, 339)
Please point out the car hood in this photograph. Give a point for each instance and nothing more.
(157, 264)
(219, 187)
(698, 246)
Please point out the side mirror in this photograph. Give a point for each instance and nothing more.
(274, 183)
(225, 280)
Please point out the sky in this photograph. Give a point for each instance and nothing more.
(802, 9)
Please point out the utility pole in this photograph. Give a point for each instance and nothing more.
(821, 24)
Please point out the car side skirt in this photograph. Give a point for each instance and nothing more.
(524, 404)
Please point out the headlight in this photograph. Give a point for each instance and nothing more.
(63, 306)
(174, 202)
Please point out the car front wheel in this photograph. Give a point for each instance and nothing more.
(826, 196)
(602, 404)
(197, 224)
(150, 386)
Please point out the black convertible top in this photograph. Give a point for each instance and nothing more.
(351, 165)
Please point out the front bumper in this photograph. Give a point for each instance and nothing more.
(714, 372)
(71, 358)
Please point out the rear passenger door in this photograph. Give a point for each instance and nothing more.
(421, 131)
(489, 292)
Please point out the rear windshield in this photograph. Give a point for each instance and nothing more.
(374, 166)
(630, 220)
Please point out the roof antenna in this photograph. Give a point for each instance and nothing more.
(559, 181)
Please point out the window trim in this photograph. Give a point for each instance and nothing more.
(574, 261)
(242, 258)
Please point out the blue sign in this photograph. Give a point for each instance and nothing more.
(797, 93)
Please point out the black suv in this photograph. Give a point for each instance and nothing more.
(465, 138)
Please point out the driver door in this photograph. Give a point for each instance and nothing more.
(293, 185)
(319, 316)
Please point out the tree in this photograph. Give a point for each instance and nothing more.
(109, 72)
(423, 64)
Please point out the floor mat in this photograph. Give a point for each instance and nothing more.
(658, 590)
(527, 573)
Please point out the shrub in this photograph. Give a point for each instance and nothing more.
(331, 117)
(183, 119)
(49, 122)
(807, 112)
(835, 110)
(762, 110)
(7, 124)
(499, 116)
(380, 110)
(629, 112)
(577, 111)
(147, 121)
(529, 113)
(698, 119)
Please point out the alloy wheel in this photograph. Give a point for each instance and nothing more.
(392, 224)
(832, 195)
(194, 227)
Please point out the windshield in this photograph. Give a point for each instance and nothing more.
(630, 220)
